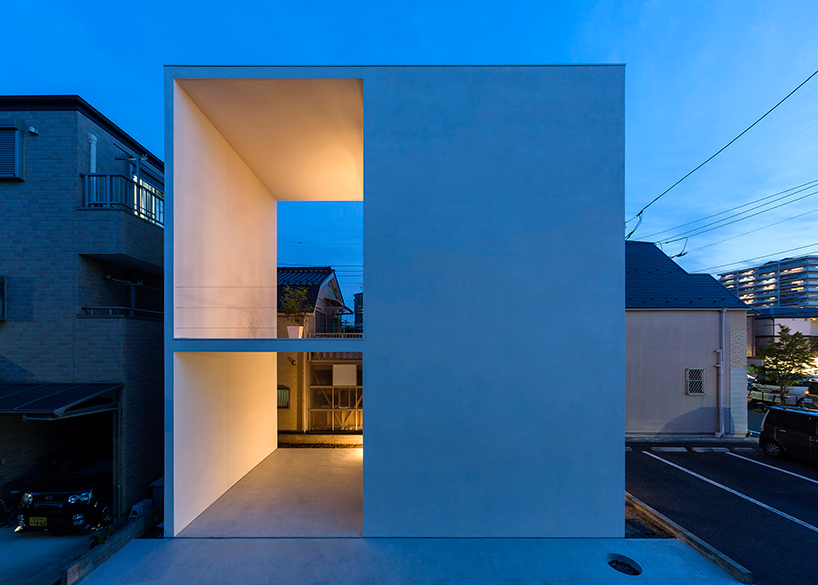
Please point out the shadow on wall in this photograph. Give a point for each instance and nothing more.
(703, 420)
(11, 372)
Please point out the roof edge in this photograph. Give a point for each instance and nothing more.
(68, 103)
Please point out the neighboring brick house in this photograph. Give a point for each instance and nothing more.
(320, 394)
(81, 307)
(686, 349)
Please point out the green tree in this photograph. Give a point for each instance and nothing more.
(786, 360)
(294, 305)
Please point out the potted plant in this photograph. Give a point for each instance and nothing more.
(296, 309)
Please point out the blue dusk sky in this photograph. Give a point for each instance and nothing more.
(698, 73)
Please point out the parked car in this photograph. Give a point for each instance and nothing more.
(766, 391)
(77, 495)
(790, 431)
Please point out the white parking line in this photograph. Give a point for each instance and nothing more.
(774, 467)
(735, 493)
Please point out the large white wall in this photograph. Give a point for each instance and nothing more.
(494, 279)
(224, 226)
(225, 422)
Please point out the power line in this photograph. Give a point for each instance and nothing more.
(795, 191)
(718, 152)
(755, 230)
(760, 257)
(323, 243)
(700, 230)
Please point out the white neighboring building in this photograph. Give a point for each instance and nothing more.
(469, 176)
(686, 369)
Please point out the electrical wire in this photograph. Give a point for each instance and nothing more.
(718, 152)
(751, 231)
(322, 243)
(795, 191)
(760, 257)
(700, 230)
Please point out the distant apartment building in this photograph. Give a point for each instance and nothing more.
(81, 303)
(791, 282)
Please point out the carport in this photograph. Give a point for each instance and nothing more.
(58, 418)
(57, 401)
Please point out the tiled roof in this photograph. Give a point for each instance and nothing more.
(654, 281)
(309, 277)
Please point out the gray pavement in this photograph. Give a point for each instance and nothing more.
(386, 561)
(37, 558)
(263, 530)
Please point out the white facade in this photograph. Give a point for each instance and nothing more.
(482, 185)
(662, 345)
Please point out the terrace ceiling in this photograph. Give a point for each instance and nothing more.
(302, 138)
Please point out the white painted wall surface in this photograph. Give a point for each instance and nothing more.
(660, 346)
(493, 194)
(737, 334)
(224, 225)
(225, 423)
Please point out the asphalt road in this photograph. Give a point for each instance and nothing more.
(769, 523)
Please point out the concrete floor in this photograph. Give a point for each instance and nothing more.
(260, 532)
(293, 492)
(387, 561)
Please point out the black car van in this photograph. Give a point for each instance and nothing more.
(790, 431)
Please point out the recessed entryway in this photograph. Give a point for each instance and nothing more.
(291, 493)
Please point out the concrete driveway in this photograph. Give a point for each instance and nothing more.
(37, 558)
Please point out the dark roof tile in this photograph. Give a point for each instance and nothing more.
(652, 280)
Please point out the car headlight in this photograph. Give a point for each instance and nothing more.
(85, 496)
(72, 499)
(26, 499)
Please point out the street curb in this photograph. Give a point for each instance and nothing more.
(671, 439)
(718, 558)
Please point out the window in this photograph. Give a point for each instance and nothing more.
(2, 298)
(283, 397)
(11, 152)
(798, 423)
(694, 382)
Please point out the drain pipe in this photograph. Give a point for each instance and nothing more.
(720, 369)
(92, 141)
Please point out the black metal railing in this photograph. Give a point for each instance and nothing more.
(143, 200)
(122, 312)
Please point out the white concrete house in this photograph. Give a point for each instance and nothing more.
(469, 176)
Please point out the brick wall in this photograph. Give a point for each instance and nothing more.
(21, 443)
(55, 256)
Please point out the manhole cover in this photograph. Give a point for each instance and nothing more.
(624, 564)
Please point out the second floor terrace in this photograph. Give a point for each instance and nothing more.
(141, 198)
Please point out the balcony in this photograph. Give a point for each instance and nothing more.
(122, 312)
(336, 355)
(119, 192)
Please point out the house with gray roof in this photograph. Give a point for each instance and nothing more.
(686, 350)
(320, 394)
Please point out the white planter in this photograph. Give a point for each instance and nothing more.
(295, 331)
